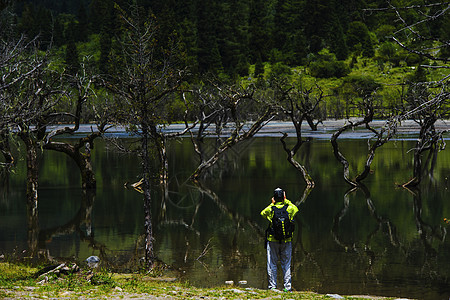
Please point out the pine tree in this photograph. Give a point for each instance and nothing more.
(358, 39)
(295, 47)
(71, 58)
(105, 52)
(43, 21)
(336, 38)
(209, 58)
(232, 37)
(103, 16)
(83, 24)
(27, 23)
(258, 31)
(259, 68)
(280, 28)
(444, 33)
(58, 32)
(166, 20)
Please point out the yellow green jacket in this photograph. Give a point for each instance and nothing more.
(267, 213)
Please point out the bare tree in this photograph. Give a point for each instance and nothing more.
(425, 108)
(224, 110)
(34, 97)
(18, 63)
(150, 75)
(301, 106)
(80, 92)
(426, 100)
(205, 106)
(381, 137)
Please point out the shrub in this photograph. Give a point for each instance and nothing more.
(359, 85)
(325, 65)
(327, 69)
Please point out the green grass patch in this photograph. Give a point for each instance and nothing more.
(18, 281)
(12, 274)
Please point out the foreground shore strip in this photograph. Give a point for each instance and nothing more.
(20, 281)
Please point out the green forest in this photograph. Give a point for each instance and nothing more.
(226, 37)
(345, 47)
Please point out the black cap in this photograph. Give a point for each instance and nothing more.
(278, 194)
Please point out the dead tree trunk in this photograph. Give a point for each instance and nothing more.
(302, 106)
(382, 137)
(32, 191)
(221, 106)
(234, 138)
(148, 227)
(427, 100)
(5, 148)
(341, 158)
(82, 159)
(291, 152)
(208, 107)
(428, 140)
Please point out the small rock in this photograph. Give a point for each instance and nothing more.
(118, 289)
(45, 280)
(229, 282)
(236, 291)
(335, 296)
(243, 282)
(75, 268)
(65, 270)
(93, 261)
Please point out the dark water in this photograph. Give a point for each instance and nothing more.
(382, 240)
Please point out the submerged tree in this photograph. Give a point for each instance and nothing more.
(425, 108)
(223, 107)
(79, 91)
(29, 100)
(34, 95)
(380, 137)
(301, 105)
(426, 100)
(144, 86)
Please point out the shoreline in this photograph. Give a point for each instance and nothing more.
(325, 129)
(20, 282)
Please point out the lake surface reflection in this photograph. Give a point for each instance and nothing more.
(382, 240)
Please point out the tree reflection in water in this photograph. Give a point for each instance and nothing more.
(345, 241)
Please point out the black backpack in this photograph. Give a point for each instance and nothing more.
(282, 228)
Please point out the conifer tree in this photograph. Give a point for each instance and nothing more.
(209, 58)
(258, 31)
(358, 39)
(72, 60)
(280, 28)
(259, 68)
(82, 25)
(105, 51)
(336, 38)
(444, 34)
(27, 23)
(58, 32)
(166, 19)
(233, 37)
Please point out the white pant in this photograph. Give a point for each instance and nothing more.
(283, 252)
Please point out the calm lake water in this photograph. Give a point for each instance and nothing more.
(383, 240)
